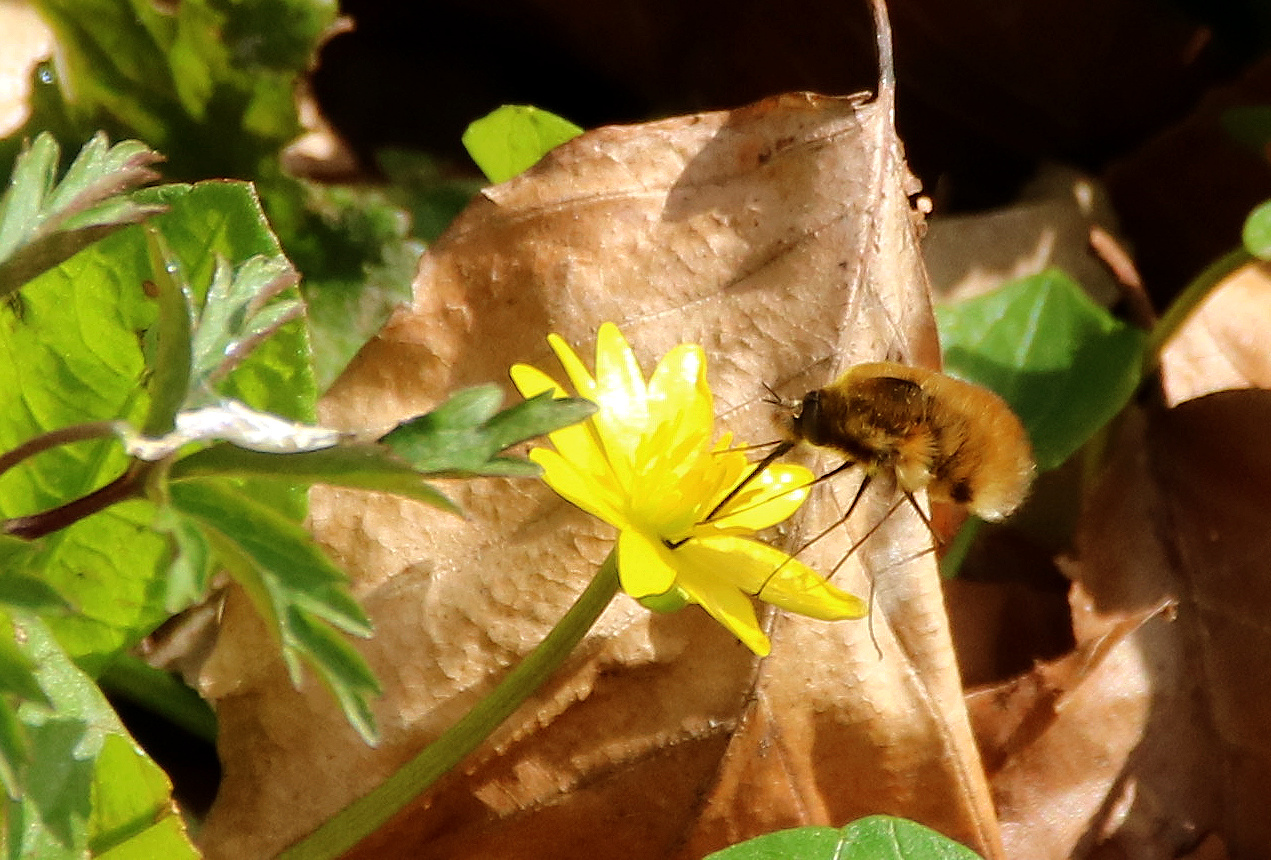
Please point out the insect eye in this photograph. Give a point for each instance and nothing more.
(810, 405)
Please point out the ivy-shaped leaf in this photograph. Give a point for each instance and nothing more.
(879, 837)
(1064, 364)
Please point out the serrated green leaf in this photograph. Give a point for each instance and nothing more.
(879, 837)
(211, 85)
(238, 315)
(536, 417)
(511, 139)
(43, 223)
(347, 675)
(358, 466)
(89, 787)
(1256, 234)
(1064, 364)
(464, 434)
(190, 565)
(76, 355)
(294, 586)
(212, 223)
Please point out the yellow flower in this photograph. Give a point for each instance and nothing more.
(645, 463)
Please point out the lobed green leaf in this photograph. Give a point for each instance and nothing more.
(300, 592)
(76, 353)
(90, 790)
(465, 434)
(43, 222)
(1064, 364)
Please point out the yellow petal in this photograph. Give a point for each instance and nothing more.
(580, 489)
(622, 397)
(643, 564)
(771, 497)
(677, 392)
(583, 382)
(729, 606)
(771, 575)
(577, 443)
(531, 381)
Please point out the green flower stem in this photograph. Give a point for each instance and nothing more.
(1186, 303)
(366, 814)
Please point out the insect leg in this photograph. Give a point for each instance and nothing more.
(776, 452)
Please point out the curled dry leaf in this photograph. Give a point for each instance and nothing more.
(1149, 739)
(780, 237)
(1224, 344)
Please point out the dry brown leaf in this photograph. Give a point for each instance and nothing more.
(27, 41)
(1047, 226)
(1105, 747)
(780, 237)
(1158, 748)
(1227, 341)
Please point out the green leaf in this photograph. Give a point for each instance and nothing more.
(1257, 232)
(299, 592)
(170, 379)
(43, 223)
(423, 186)
(511, 139)
(1064, 364)
(17, 670)
(463, 435)
(15, 749)
(77, 354)
(211, 84)
(90, 789)
(214, 224)
(879, 837)
(207, 83)
(359, 260)
(358, 466)
(239, 314)
(191, 564)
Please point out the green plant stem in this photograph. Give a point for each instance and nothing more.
(366, 814)
(1186, 303)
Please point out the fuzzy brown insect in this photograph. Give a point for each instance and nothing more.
(959, 442)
